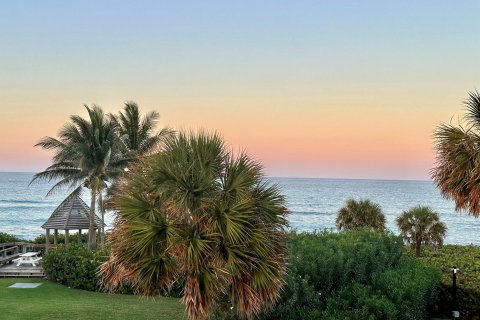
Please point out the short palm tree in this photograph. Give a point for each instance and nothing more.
(196, 214)
(84, 156)
(457, 168)
(360, 214)
(421, 225)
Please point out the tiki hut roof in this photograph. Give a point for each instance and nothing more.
(71, 214)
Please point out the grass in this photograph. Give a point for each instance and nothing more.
(53, 301)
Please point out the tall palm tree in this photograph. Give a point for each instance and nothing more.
(457, 168)
(84, 155)
(360, 214)
(137, 136)
(421, 225)
(137, 132)
(195, 212)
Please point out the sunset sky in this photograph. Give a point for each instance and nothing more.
(328, 89)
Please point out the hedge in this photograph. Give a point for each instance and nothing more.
(351, 275)
(6, 238)
(467, 259)
(74, 266)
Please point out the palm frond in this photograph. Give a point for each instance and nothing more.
(360, 214)
(203, 216)
(472, 106)
(456, 166)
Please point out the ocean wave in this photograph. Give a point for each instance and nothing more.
(310, 213)
(21, 201)
(26, 207)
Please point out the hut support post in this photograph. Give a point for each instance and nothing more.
(55, 237)
(79, 235)
(47, 239)
(66, 237)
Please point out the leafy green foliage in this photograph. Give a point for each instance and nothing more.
(359, 301)
(359, 275)
(6, 238)
(410, 286)
(351, 275)
(467, 259)
(73, 238)
(331, 260)
(74, 266)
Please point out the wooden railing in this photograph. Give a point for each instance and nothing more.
(11, 248)
(7, 252)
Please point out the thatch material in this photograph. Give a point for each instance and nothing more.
(71, 214)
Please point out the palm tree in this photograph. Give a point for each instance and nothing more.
(194, 213)
(360, 214)
(457, 168)
(137, 132)
(84, 155)
(421, 225)
(137, 138)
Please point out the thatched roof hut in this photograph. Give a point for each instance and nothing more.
(71, 214)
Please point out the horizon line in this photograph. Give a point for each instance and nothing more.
(292, 177)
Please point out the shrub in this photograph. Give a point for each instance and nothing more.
(359, 301)
(73, 238)
(74, 266)
(351, 275)
(6, 237)
(467, 259)
(333, 260)
(411, 287)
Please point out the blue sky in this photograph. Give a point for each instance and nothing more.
(311, 88)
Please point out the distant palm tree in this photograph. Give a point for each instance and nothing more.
(360, 214)
(137, 132)
(195, 214)
(84, 156)
(457, 168)
(421, 225)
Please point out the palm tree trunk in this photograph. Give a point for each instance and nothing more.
(418, 243)
(102, 228)
(91, 220)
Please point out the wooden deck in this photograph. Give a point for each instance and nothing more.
(11, 251)
(28, 271)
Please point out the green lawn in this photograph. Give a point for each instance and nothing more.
(53, 301)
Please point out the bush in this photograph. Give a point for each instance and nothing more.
(411, 286)
(467, 259)
(73, 238)
(351, 275)
(333, 260)
(6, 238)
(359, 301)
(74, 266)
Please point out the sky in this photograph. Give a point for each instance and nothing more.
(321, 89)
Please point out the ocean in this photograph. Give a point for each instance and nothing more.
(313, 204)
